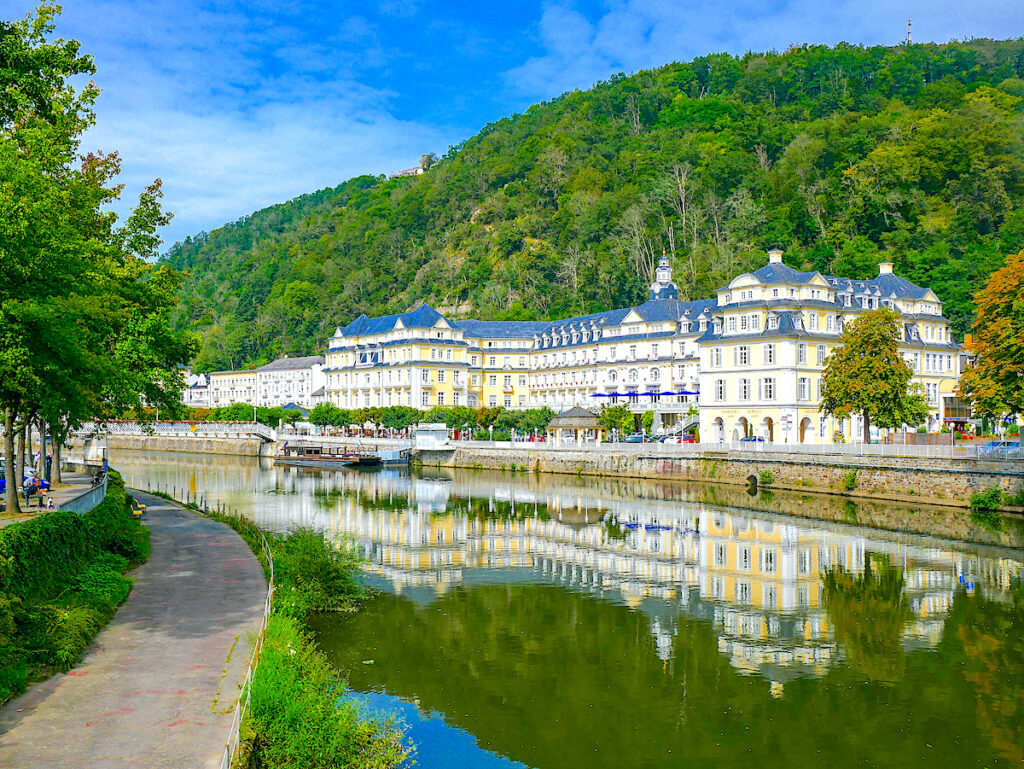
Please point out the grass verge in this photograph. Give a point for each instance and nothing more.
(62, 577)
(298, 714)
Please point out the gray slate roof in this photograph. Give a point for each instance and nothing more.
(288, 364)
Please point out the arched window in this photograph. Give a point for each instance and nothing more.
(612, 376)
(655, 375)
(633, 374)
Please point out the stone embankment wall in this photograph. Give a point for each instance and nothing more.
(244, 447)
(901, 479)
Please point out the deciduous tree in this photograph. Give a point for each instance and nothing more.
(994, 384)
(866, 375)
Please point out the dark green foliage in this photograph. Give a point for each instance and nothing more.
(314, 574)
(841, 156)
(985, 508)
(61, 580)
(297, 716)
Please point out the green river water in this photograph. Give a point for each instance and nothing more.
(555, 622)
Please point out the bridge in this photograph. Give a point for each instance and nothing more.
(178, 429)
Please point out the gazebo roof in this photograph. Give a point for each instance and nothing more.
(576, 418)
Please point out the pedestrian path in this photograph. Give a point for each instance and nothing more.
(158, 686)
(72, 485)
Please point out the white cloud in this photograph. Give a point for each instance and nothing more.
(236, 111)
(640, 34)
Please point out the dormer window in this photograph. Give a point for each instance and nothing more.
(773, 322)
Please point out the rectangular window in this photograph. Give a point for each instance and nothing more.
(508, 401)
(492, 380)
(491, 361)
(632, 352)
(731, 323)
(425, 398)
(821, 355)
(743, 592)
(801, 353)
(803, 387)
(492, 401)
(745, 561)
(721, 554)
(744, 389)
(472, 360)
(440, 375)
(507, 380)
(522, 381)
(743, 355)
(803, 561)
(716, 357)
(814, 321)
(744, 322)
(768, 389)
(719, 389)
(769, 353)
(440, 399)
(755, 322)
(768, 561)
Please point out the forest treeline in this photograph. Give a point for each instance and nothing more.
(841, 156)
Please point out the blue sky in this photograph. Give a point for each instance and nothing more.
(239, 105)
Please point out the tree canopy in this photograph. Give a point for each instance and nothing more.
(866, 375)
(85, 330)
(994, 384)
(843, 156)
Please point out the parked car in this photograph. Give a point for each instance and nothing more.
(690, 438)
(634, 438)
(1000, 448)
(752, 439)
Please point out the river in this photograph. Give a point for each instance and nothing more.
(556, 622)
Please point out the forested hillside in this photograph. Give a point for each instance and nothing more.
(843, 157)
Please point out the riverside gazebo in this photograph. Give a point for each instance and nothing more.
(577, 424)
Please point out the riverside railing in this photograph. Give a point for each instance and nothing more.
(245, 695)
(87, 500)
(179, 429)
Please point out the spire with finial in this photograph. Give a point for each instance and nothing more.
(663, 287)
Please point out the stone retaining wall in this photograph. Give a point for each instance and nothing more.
(245, 447)
(946, 482)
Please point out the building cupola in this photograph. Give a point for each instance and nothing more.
(775, 256)
(885, 268)
(663, 287)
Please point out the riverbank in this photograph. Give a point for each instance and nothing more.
(897, 479)
(157, 685)
(295, 717)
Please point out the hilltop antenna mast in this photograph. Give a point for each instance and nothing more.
(908, 31)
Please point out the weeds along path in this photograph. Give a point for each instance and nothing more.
(158, 685)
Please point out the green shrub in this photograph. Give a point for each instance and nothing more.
(298, 716)
(766, 477)
(985, 508)
(60, 581)
(850, 480)
(314, 574)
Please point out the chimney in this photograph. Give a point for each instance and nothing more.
(885, 268)
(775, 256)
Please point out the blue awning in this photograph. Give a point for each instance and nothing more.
(605, 395)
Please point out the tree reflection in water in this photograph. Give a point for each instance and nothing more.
(868, 611)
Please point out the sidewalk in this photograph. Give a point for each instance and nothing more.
(158, 685)
(72, 484)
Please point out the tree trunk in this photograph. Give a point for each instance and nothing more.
(867, 429)
(55, 469)
(19, 468)
(10, 465)
(41, 463)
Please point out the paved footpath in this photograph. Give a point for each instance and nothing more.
(158, 686)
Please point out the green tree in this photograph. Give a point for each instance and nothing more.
(324, 414)
(617, 418)
(84, 313)
(647, 421)
(866, 375)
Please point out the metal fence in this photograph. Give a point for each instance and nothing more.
(86, 501)
(179, 429)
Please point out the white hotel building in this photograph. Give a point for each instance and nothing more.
(755, 354)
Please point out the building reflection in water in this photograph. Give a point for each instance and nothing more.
(756, 577)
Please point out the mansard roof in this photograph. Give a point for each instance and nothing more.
(887, 284)
(289, 364)
(423, 316)
(501, 329)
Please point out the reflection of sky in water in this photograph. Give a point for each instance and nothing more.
(438, 745)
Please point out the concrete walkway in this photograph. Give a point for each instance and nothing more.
(72, 484)
(158, 686)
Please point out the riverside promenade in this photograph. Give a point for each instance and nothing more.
(158, 686)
